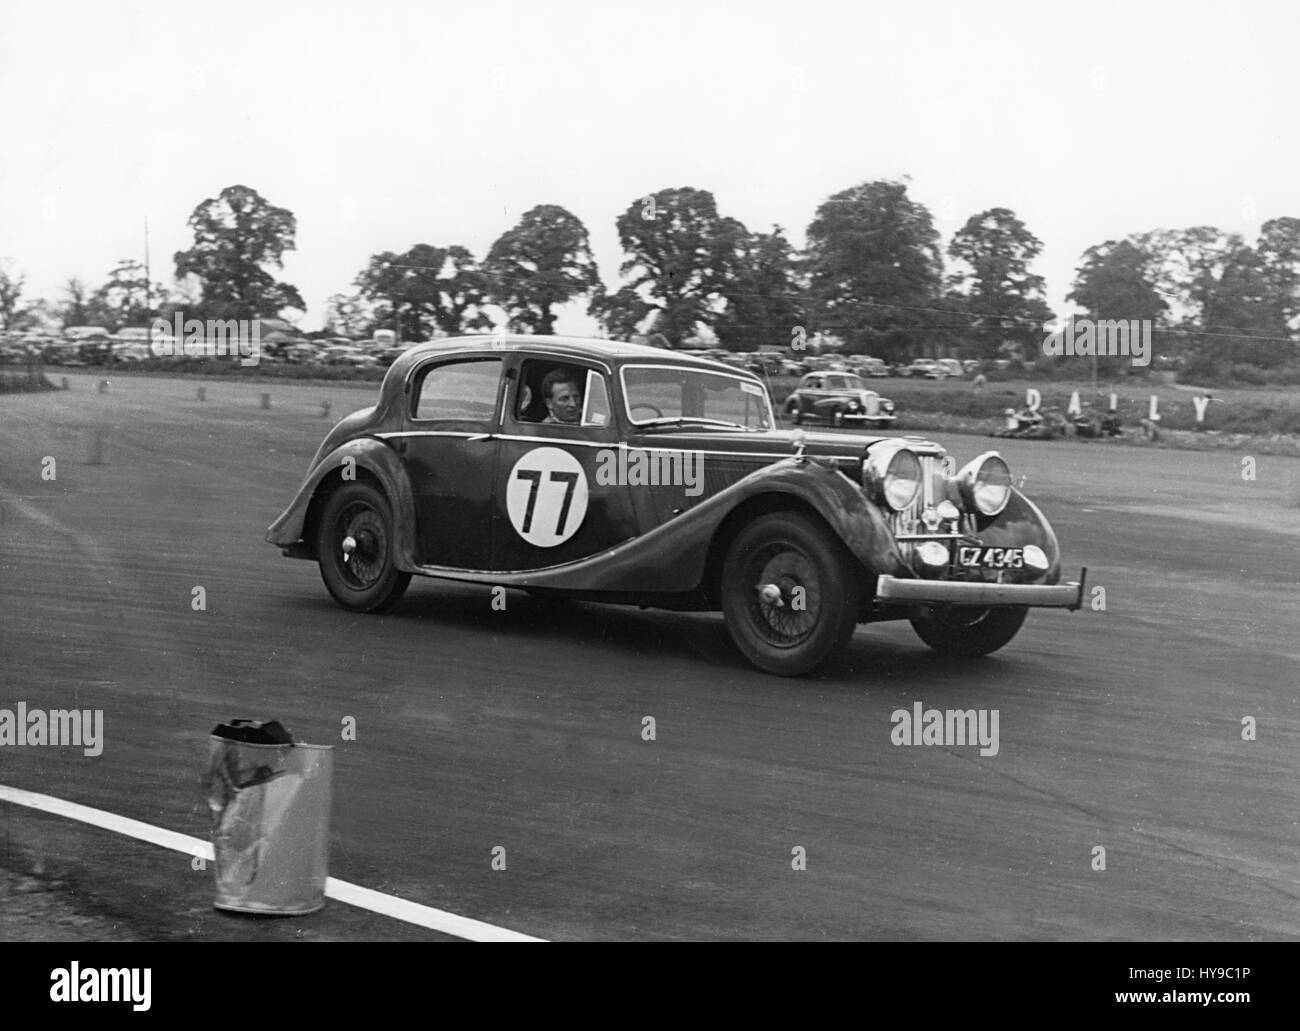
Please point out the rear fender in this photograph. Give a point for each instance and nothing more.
(370, 456)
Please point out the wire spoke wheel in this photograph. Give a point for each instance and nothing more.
(789, 593)
(363, 543)
(786, 594)
(355, 546)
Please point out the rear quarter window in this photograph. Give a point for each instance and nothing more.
(463, 391)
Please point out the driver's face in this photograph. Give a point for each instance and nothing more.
(565, 402)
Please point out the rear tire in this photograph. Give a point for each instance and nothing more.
(782, 630)
(970, 632)
(367, 580)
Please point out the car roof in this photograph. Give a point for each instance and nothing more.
(613, 352)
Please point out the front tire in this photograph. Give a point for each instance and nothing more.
(789, 593)
(355, 546)
(970, 632)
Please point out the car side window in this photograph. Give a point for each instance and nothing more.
(459, 391)
(595, 410)
(560, 393)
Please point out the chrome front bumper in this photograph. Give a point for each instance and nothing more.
(896, 591)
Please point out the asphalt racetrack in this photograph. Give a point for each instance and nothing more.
(1119, 729)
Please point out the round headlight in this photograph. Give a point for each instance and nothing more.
(985, 484)
(893, 476)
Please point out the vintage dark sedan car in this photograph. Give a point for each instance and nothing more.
(838, 398)
(628, 474)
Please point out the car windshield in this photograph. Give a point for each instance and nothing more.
(840, 381)
(670, 394)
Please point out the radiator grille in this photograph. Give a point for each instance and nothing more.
(933, 490)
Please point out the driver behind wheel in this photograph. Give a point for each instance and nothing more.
(563, 397)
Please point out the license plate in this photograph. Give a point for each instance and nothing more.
(990, 558)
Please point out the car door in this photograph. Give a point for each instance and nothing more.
(828, 395)
(559, 497)
(450, 450)
(808, 394)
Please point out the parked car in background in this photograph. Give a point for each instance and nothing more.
(130, 344)
(39, 345)
(341, 354)
(874, 367)
(63, 352)
(764, 364)
(80, 333)
(926, 368)
(131, 352)
(13, 350)
(838, 398)
(300, 353)
(951, 367)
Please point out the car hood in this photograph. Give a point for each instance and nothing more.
(777, 442)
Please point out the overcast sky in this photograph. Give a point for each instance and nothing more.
(383, 124)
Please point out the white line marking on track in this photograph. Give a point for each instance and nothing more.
(343, 891)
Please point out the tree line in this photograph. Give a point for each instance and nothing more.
(874, 274)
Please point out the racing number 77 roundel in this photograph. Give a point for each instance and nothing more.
(546, 496)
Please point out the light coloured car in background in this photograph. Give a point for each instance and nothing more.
(132, 351)
(924, 368)
(300, 353)
(343, 354)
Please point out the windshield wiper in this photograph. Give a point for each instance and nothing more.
(685, 420)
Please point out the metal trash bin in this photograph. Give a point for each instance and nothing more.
(270, 801)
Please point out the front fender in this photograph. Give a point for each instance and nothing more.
(1021, 523)
(372, 456)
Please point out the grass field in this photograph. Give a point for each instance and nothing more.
(957, 405)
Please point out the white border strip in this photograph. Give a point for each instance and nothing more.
(343, 891)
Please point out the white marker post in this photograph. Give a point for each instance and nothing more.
(1075, 407)
(1151, 424)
